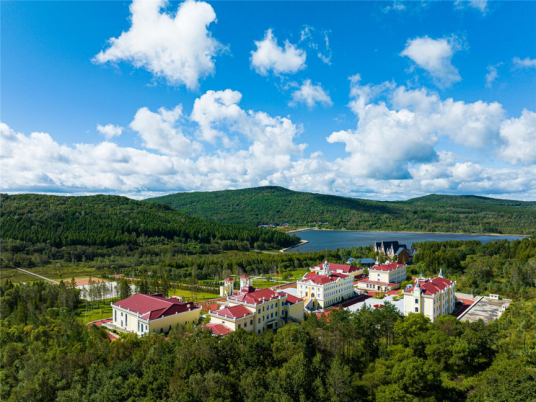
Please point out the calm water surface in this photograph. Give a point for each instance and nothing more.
(331, 240)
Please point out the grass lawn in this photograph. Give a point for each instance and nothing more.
(55, 272)
(187, 295)
(95, 311)
(16, 276)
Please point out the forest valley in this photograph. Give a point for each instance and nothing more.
(48, 353)
(372, 355)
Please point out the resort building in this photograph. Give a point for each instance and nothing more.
(143, 314)
(338, 269)
(431, 297)
(393, 249)
(323, 288)
(256, 310)
(383, 278)
(228, 285)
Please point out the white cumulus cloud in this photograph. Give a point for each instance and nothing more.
(162, 132)
(109, 130)
(269, 56)
(404, 128)
(527, 62)
(491, 76)
(519, 135)
(435, 56)
(310, 95)
(179, 48)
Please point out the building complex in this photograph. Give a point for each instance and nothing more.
(322, 288)
(432, 297)
(254, 309)
(143, 314)
(384, 277)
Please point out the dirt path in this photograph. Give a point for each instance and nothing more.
(39, 276)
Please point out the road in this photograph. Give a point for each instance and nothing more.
(39, 276)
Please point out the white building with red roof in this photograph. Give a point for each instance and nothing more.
(431, 297)
(323, 288)
(143, 314)
(339, 269)
(257, 310)
(383, 278)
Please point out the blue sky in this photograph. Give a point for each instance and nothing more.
(369, 99)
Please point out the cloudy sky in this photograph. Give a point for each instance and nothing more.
(382, 100)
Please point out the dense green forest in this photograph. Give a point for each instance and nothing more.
(372, 355)
(434, 213)
(504, 267)
(60, 227)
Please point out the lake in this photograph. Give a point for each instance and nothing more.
(333, 239)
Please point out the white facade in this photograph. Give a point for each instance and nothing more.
(397, 275)
(326, 288)
(431, 297)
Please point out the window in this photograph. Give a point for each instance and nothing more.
(416, 309)
(276, 313)
(259, 331)
(251, 322)
(259, 320)
(416, 301)
(238, 325)
(276, 304)
(259, 311)
(126, 320)
(272, 315)
(115, 315)
(245, 325)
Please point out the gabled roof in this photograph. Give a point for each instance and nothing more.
(217, 329)
(431, 286)
(387, 267)
(238, 311)
(151, 307)
(323, 279)
(251, 295)
(339, 267)
(291, 299)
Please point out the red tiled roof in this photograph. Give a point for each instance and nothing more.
(151, 307)
(323, 279)
(217, 329)
(228, 280)
(387, 267)
(432, 286)
(233, 312)
(244, 276)
(251, 295)
(339, 267)
(293, 299)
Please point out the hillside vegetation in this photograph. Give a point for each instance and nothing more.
(433, 213)
(47, 224)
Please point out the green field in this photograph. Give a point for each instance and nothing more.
(187, 295)
(88, 312)
(55, 272)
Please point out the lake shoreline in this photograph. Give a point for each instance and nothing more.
(407, 231)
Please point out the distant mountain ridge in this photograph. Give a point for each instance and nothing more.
(110, 221)
(431, 213)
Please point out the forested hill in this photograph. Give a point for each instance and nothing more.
(110, 221)
(433, 213)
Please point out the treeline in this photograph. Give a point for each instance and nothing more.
(434, 213)
(63, 227)
(504, 267)
(371, 355)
